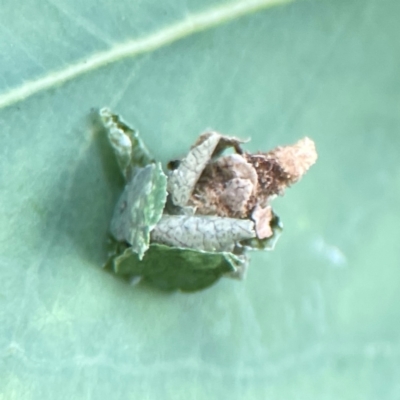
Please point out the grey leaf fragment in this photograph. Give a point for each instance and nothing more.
(208, 233)
(182, 180)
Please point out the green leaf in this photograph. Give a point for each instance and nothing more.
(317, 318)
(128, 147)
(171, 268)
(140, 207)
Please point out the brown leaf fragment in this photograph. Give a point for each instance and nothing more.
(185, 173)
(262, 218)
(234, 185)
(237, 194)
(272, 179)
(225, 187)
(242, 185)
(295, 160)
(281, 167)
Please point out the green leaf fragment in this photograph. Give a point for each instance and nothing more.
(171, 268)
(140, 207)
(129, 149)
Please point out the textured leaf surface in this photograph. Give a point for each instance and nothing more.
(130, 151)
(170, 268)
(140, 207)
(317, 318)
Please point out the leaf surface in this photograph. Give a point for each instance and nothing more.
(171, 268)
(140, 207)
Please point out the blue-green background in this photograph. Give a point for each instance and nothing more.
(317, 318)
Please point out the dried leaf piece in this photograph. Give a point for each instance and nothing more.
(208, 233)
(236, 195)
(281, 167)
(225, 142)
(242, 185)
(295, 160)
(225, 187)
(262, 218)
(269, 242)
(182, 180)
(237, 185)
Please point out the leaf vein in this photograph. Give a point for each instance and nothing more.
(194, 24)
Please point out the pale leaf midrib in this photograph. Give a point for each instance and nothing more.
(193, 24)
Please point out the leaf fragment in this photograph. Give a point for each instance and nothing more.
(140, 207)
(209, 233)
(267, 243)
(172, 268)
(129, 149)
(182, 180)
(186, 230)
